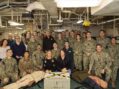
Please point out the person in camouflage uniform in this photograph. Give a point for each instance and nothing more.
(78, 52)
(113, 50)
(88, 48)
(37, 57)
(102, 39)
(3, 77)
(60, 41)
(83, 38)
(26, 65)
(72, 39)
(11, 67)
(55, 51)
(32, 44)
(66, 35)
(100, 62)
(37, 38)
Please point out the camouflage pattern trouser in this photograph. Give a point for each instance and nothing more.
(78, 61)
(108, 73)
(114, 72)
(12, 76)
(86, 61)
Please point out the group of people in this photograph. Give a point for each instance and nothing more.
(63, 51)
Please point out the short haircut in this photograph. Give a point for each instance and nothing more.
(8, 50)
(99, 45)
(102, 31)
(88, 32)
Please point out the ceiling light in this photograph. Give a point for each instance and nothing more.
(19, 28)
(13, 23)
(79, 21)
(59, 20)
(77, 3)
(59, 30)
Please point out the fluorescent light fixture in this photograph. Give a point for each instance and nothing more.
(79, 21)
(12, 23)
(19, 28)
(60, 20)
(77, 3)
(66, 11)
(59, 30)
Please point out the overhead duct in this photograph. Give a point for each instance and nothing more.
(12, 4)
(106, 8)
(35, 6)
(108, 21)
(51, 6)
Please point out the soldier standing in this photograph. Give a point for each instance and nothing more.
(72, 39)
(60, 41)
(78, 52)
(113, 50)
(102, 39)
(88, 48)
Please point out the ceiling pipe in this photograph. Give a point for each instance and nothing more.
(13, 4)
(108, 21)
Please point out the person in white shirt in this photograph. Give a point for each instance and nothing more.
(3, 48)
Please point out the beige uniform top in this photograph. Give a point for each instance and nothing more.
(78, 48)
(25, 66)
(10, 66)
(37, 58)
(89, 46)
(100, 60)
(2, 71)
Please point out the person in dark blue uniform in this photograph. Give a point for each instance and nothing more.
(69, 54)
(18, 48)
(48, 41)
(62, 62)
(49, 63)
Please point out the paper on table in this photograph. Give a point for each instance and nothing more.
(25, 80)
(38, 75)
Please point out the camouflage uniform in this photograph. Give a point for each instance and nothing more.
(71, 41)
(100, 61)
(3, 75)
(32, 46)
(11, 68)
(114, 53)
(37, 58)
(60, 43)
(55, 53)
(39, 41)
(78, 54)
(66, 39)
(25, 67)
(88, 49)
(104, 42)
